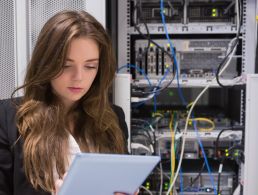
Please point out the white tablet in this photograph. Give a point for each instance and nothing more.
(104, 174)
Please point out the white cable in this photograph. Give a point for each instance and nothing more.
(177, 136)
(151, 128)
(142, 187)
(230, 45)
(137, 146)
(188, 117)
(137, 99)
(237, 190)
(220, 168)
(152, 149)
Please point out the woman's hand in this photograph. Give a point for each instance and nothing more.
(58, 184)
(118, 193)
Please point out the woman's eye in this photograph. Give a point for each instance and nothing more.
(90, 67)
(67, 66)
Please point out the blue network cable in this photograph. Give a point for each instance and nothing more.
(172, 52)
(146, 77)
(181, 181)
(205, 157)
(160, 81)
(180, 90)
(177, 77)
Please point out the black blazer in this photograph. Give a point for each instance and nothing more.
(12, 176)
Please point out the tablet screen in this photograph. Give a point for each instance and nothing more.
(104, 174)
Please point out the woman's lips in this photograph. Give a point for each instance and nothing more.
(75, 89)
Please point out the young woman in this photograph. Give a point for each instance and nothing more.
(65, 108)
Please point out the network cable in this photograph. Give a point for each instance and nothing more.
(153, 42)
(188, 118)
(235, 42)
(177, 76)
(205, 158)
(172, 52)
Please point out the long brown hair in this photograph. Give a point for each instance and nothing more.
(40, 118)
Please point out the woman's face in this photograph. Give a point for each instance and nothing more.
(79, 71)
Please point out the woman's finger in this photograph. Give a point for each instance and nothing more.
(119, 193)
(64, 175)
(58, 184)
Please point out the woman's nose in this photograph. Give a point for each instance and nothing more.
(78, 72)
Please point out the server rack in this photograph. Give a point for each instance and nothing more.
(198, 36)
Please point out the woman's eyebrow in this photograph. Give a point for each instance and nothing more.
(89, 60)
